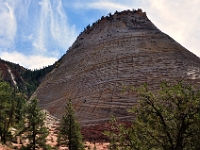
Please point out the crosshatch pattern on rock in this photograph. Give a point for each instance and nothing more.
(123, 49)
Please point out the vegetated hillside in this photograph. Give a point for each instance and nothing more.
(120, 50)
(25, 80)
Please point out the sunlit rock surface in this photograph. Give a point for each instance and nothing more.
(115, 52)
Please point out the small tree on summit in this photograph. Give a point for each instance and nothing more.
(109, 14)
(69, 130)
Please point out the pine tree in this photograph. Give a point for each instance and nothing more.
(115, 134)
(69, 130)
(7, 107)
(33, 126)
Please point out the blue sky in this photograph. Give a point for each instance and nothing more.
(36, 33)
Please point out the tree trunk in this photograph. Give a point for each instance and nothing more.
(33, 136)
(70, 133)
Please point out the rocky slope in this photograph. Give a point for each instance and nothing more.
(24, 80)
(118, 50)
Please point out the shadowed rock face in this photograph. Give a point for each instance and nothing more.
(120, 50)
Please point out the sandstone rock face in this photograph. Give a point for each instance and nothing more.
(120, 50)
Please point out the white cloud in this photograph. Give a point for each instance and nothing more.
(31, 62)
(34, 27)
(105, 5)
(43, 25)
(8, 24)
(60, 30)
(179, 19)
(53, 29)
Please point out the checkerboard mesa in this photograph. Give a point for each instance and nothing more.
(119, 50)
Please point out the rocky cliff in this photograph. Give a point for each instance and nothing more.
(118, 50)
(22, 79)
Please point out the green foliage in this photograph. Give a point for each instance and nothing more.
(20, 103)
(33, 79)
(33, 127)
(116, 134)
(166, 119)
(27, 80)
(88, 27)
(69, 130)
(6, 112)
(10, 105)
(13, 113)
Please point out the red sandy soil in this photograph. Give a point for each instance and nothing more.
(3, 147)
(93, 135)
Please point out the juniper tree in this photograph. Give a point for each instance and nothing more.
(69, 130)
